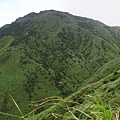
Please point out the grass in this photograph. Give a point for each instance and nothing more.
(87, 102)
(96, 110)
(84, 104)
(100, 109)
(5, 43)
(18, 108)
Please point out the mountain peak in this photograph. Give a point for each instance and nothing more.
(28, 16)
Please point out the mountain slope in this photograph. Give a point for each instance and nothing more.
(85, 99)
(52, 53)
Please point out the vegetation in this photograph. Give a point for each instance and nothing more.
(84, 104)
(89, 102)
(54, 53)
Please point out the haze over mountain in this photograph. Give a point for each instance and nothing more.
(53, 53)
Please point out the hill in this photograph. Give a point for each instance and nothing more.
(90, 102)
(53, 53)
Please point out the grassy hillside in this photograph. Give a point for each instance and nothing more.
(53, 53)
(108, 68)
(87, 103)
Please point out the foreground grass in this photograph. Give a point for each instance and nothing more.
(97, 109)
(85, 104)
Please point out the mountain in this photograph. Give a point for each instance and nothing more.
(53, 53)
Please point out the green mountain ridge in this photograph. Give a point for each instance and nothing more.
(53, 53)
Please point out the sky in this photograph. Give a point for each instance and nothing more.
(106, 11)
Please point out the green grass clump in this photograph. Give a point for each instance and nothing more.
(97, 109)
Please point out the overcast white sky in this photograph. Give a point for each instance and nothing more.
(106, 11)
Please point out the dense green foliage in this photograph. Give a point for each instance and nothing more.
(53, 53)
(88, 101)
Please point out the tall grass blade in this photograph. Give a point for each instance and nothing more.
(16, 105)
(83, 113)
(7, 114)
